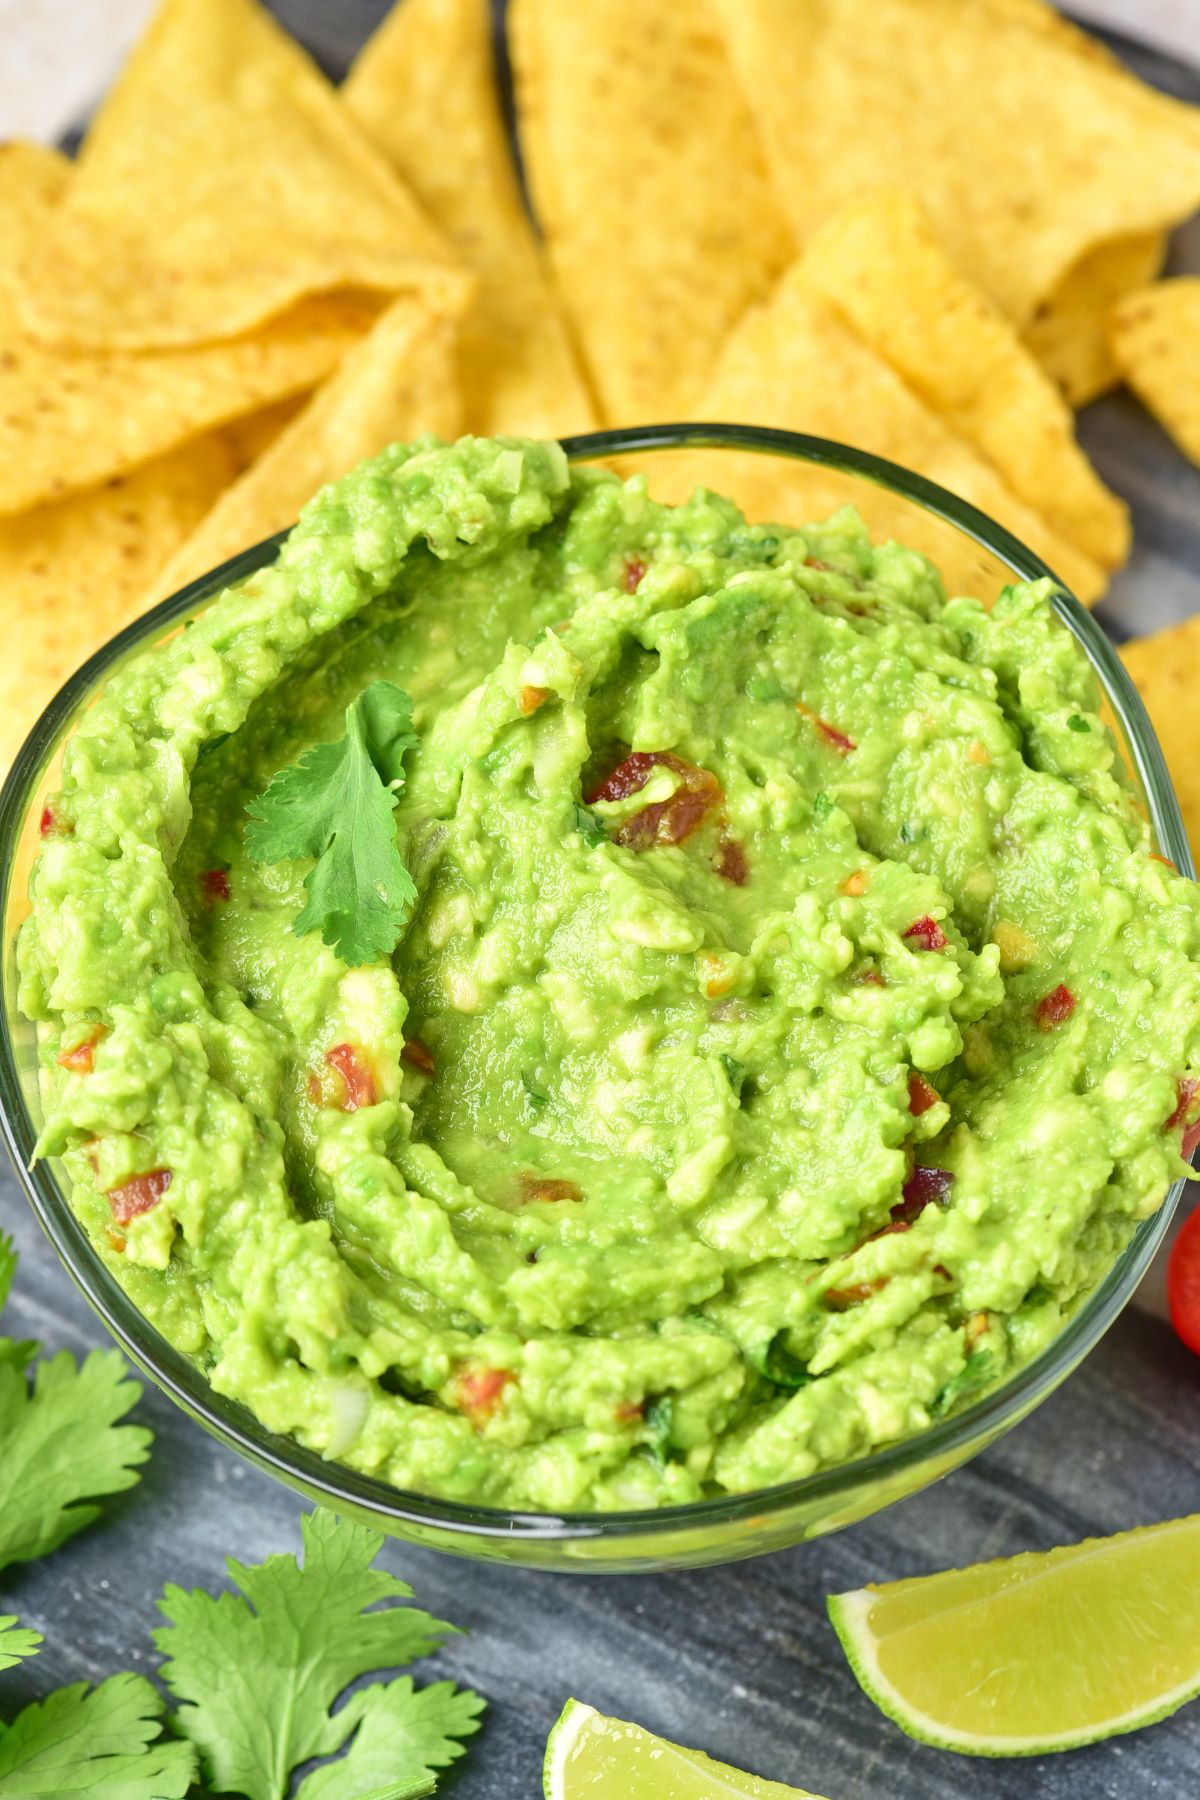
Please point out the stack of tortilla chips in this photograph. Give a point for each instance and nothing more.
(929, 228)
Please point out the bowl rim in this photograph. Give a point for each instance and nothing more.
(393, 1507)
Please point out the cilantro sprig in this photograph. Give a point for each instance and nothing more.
(257, 1674)
(336, 803)
(62, 1446)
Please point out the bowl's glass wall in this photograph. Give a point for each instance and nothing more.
(773, 475)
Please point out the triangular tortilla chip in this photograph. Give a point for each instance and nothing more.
(1069, 332)
(1166, 672)
(399, 382)
(650, 188)
(222, 181)
(70, 419)
(1155, 336)
(1026, 153)
(424, 89)
(880, 264)
(72, 575)
(794, 363)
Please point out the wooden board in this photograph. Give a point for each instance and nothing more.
(739, 1661)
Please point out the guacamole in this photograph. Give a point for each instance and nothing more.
(792, 1022)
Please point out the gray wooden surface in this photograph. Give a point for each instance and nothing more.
(739, 1661)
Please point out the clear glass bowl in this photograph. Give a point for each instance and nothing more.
(775, 475)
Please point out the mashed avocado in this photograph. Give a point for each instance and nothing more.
(792, 1023)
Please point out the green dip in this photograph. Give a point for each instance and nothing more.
(797, 1019)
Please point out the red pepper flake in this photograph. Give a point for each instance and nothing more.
(871, 978)
(358, 1081)
(926, 934)
(635, 569)
(115, 1240)
(81, 1059)
(417, 1056)
(1155, 857)
(924, 1187)
(731, 864)
(629, 1412)
(479, 1391)
(840, 1299)
(548, 1187)
(214, 885)
(920, 1095)
(1053, 1008)
(837, 740)
(814, 562)
(666, 821)
(532, 698)
(139, 1195)
(50, 825)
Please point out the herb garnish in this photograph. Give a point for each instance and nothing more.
(336, 803)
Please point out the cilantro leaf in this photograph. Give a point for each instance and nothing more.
(61, 1447)
(336, 804)
(402, 1727)
(258, 1672)
(99, 1742)
(16, 1641)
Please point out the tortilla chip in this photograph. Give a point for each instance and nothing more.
(880, 264)
(69, 420)
(399, 382)
(1069, 332)
(73, 574)
(1155, 336)
(221, 182)
(1166, 672)
(424, 89)
(794, 363)
(1026, 153)
(650, 189)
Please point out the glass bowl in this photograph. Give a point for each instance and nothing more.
(775, 475)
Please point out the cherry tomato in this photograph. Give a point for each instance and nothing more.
(1183, 1283)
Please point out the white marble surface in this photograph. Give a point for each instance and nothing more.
(57, 55)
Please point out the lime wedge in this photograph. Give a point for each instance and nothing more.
(1041, 1652)
(589, 1757)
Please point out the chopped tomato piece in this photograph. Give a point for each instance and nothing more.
(924, 1187)
(81, 1060)
(50, 825)
(214, 885)
(635, 568)
(1186, 1089)
(139, 1195)
(871, 978)
(479, 1392)
(837, 740)
(1054, 1008)
(926, 934)
(665, 821)
(358, 1080)
(532, 698)
(731, 863)
(840, 1299)
(548, 1187)
(417, 1056)
(1183, 1283)
(920, 1095)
